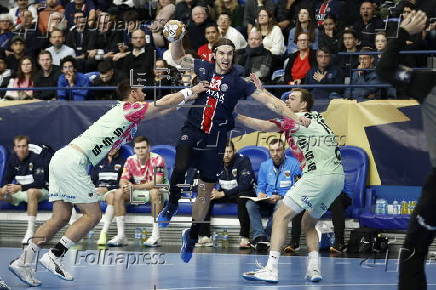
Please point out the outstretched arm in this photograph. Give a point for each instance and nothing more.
(257, 124)
(179, 56)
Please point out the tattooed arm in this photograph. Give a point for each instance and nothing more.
(257, 124)
(179, 56)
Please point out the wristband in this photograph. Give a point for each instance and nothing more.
(187, 93)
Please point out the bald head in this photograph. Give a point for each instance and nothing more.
(254, 39)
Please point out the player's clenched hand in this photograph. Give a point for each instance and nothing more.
(304, 121)
(200, 87)
(415, 22)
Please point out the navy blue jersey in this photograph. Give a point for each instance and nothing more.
(222, 96)
(108, 174)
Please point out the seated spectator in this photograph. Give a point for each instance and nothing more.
(255, 58)
(365, 76)
(300, 62)
(276, 176)
(106, 177)
(46, 76)
(5, 74)
(108, 40)
(59, 50)
(30, 172)
(5, 30)
(45, 14)
(212, 35)
(20, 7)
(329, 36)
(71, 78)
(17, 47)
(199, 22)
(323, 73)
(226, 30)
(80, 39)
(381, 42)
(86, 6)
(251, 9)
(108, 77)
(304, 23)
(327, 7)
(163, 76)
(32, 37)
(272, 35)
(285, 14)
(235, 180)
(23, 79)
(141, 173)
(183, 10)
(233, 9)
(165, 12)
(348, 62)
(368, 24)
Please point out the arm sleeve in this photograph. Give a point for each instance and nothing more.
(135, 112)
(160, 167)
(61, 84)
(38, 179)
(277, 41)
(261, 179)
(83, 81)
(245, 179)
(126, 172)
(9, 177)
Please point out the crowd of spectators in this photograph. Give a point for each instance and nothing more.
(85, 43)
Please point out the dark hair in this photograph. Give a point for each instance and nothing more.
(352, 32)
(20, 73)
(271, 21)
(306, 96)
(140, 139)
(325, 49)
(69, 58)
(57, 29)
(407, 4)
(45, 52)
(124, 89)
(22, 137)
(211, 24)
(277, 141)
(105, 66)
(223, 41)
(366, 49)
(230, 144)
(311, 26)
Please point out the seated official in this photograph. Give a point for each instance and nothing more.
(235, 180)
(276, 176)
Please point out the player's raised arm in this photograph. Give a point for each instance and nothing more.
(177, 30)
(257, 124)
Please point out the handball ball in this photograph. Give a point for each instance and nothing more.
(174, 30)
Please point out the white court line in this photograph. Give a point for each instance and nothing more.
(286, 286)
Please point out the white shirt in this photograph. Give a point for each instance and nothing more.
(236, 37)
(58, 54)
(274, 41)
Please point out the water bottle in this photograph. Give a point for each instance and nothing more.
(404, 207)
(412, 205)
(215, 239)
(225, 239)
(144, 233)
(138, 236)
(384, 206)
(379, 204)
(397, 207)
(90, 240)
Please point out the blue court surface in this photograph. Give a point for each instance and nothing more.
(159, 270)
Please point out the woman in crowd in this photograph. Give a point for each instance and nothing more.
(23, 80)
(304, 23)
(330, 36)
(272, 35)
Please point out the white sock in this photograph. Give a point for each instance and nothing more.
(73, 216)
(120, 225)
(28, 253)
(108, 217)
(155, 230)
(30, 224)
(66, 242)
(313, 258)
(273, 260)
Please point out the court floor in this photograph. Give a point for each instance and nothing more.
(159, 270)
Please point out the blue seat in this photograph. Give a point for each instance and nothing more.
(126, 151)
(168, 152)
(257, 155)
(3, 159)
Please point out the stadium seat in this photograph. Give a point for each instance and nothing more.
(257, 155)
(126, 151)
(3, 159)
(168, 152)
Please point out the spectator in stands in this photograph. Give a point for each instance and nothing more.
(183, 10)
(27, 30)
(5, 74)
(20, 7)
(30, 172)
(327, 7)
(45, 14)
(381, 42)
(350, 41)
(212, 35)
(25, 23)
(23, 79)
(368, 24)
(324, 72)
(107, 38)
(59, 50)
(165, 12)
(329, 36)
(47, 76)
(5, 30)
(285, 12)
(107, 77)
(250, 11)
(235, 180)
(141, 173)
(71, 78)
(300, 62)
(276, 176)
(163, 76)
(365, 76)
(106, 178)
(233, 9)
(17, 47)
(255, 58)
(272, 35)
(196, 28)
(85, 6)
(80, 39)
(140, 59)
(226, 30)
(304, 23)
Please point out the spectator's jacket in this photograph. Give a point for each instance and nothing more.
(273, 180)
(73, 94)
(107, 174)
(238, 178)
(255, 60)
(39, 80)
(290, 64)
(334, 75)
(364, 78)
(32, 172)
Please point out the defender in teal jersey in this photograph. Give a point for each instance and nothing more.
(70, 183)
(322, 181)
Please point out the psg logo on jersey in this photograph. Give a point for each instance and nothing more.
(215, 83)
(224, 87)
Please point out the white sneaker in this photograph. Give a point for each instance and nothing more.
(204, 241)
(118, 241)
(152, 242)
(26, 238)
(245, 243)
(313, 274)
(54, 265)
(262, 274)
(24, 272)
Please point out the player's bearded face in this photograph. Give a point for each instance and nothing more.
(228, 154)
(223, 59)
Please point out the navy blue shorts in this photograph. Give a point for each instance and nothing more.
(207, 150)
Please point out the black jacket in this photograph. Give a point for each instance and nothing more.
(107, 174)
(39, 80)
(292, 57)
(238, 178)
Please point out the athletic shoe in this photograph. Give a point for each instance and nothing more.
(338, 247)
(102, 239)
(24, 273)
(188, 245)
(204, 241)
(261, 244)
(244, 243)
(118, 241)
(152, 242)
(292, 248)
(26, 238)
(3, 285)
(166, 214)
(313, 274)
(262, 274)
(54, 265)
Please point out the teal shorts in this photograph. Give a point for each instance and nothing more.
(314, 193)
(69, 180)
(21, 196)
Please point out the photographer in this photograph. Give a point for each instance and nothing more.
(421, 85)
